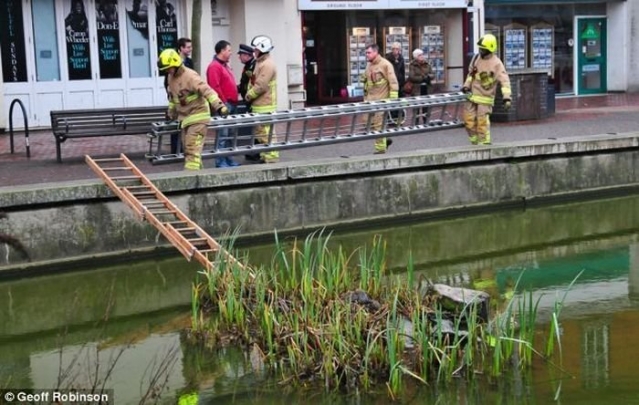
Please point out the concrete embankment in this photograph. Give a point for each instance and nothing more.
(83, 219)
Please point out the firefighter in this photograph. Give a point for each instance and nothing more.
(484, 72)
(380, 83)
(189, 100)
(262, 92)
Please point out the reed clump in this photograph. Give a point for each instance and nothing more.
(319, 315)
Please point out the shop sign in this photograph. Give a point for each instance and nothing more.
(342, 4)
(416, 4)
(378, 4)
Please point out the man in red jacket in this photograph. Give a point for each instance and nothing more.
(221, 79)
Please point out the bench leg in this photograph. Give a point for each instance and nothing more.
(159, 139)
(58, 151)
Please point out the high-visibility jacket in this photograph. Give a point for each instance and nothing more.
(262, 89)
(482, 79)
(188, 399)
(190, 96)
(379, 80)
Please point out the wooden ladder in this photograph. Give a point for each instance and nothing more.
(148, 203)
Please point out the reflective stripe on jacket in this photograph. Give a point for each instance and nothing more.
(380, 81)
(482, 79)
(262, 89)
(190, 96)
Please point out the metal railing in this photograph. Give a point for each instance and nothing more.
(322, 125)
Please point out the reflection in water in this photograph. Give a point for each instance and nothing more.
(148, 303)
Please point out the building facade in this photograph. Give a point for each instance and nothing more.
(68, 54)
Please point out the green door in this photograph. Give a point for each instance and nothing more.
(591, 40)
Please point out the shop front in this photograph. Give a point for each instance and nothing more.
(67, 54)
(569, 40)
(335, 35)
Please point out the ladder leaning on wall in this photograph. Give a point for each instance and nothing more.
(148, 203)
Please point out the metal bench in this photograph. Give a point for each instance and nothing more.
(89, 123)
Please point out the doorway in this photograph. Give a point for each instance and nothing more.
(591, 50)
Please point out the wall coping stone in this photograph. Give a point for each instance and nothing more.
(248, 176)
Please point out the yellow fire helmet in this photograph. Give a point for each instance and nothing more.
(488, 42)
(169, 58)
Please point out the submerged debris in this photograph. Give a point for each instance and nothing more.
(13, 242)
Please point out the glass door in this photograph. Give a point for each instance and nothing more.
(591, 55)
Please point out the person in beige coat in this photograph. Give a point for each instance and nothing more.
(380, 83)
(485, 72)
(262, 93)
(190, 102)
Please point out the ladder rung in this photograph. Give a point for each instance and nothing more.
(142, 186)
(198, 240)
(207, 250)
(160, 212)
(106, 169)
(142, 192)
(125, 178)
(108, 160)
(185, 229)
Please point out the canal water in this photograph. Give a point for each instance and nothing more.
(123, 323)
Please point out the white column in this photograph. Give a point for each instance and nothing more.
(278, 19)
(618, 46)
(479, 20)
(633, 46)
(633, 272)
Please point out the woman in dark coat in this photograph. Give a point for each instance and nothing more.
(420, 74)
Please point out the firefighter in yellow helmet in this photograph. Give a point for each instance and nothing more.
(262, 93)
(380, 83)
(486, 70)
(189, 100)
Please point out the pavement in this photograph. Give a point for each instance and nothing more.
(575, 117)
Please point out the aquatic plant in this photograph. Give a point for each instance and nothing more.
(320, 315)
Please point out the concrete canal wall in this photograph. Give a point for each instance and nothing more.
(83, 219)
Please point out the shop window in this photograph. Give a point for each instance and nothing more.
(76, 26)
(137, 29)
(546, 33)
(108, 36)
(45, 41)
(166, 24)
(14, 59)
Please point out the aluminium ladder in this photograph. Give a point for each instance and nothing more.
(148, 203)
(322, 125)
